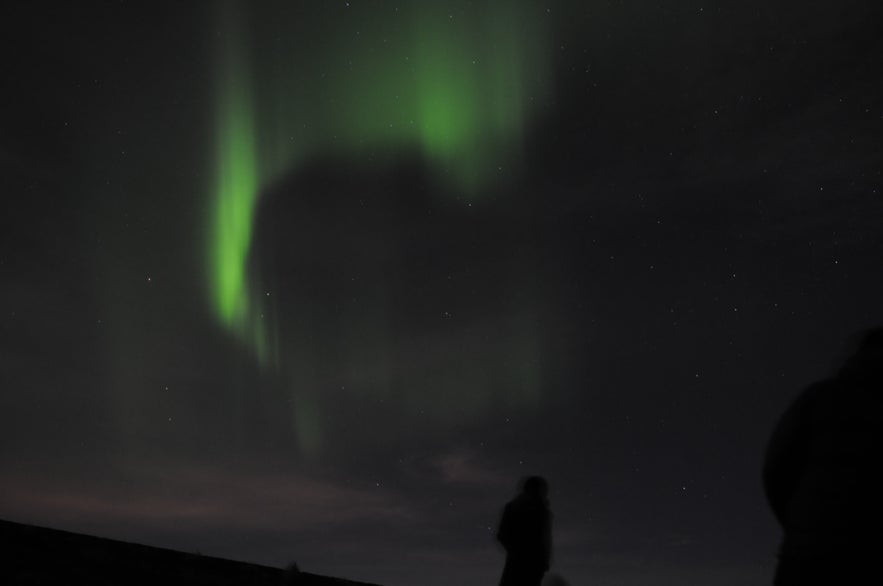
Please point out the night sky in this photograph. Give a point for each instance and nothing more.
(320, 281)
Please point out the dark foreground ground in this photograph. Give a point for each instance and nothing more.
(36, 555)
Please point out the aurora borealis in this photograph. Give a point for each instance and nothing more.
(319, 281)
(236, 184)
(456, 83)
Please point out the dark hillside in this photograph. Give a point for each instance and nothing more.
(40, 556)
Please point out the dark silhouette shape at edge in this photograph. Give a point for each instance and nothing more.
(821, 474)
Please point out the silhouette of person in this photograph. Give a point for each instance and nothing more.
(526, 534)
(821, 474)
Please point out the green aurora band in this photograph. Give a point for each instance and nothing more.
(456, 84)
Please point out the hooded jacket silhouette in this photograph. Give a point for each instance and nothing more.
(526, 534)
(821, 474)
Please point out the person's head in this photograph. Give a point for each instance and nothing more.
(535, 487)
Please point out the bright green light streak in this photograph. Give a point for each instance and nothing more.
(236, 190)
(234, 205)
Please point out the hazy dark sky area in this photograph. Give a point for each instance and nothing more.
(602, 241)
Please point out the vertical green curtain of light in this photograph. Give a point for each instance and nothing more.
(457, 84)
